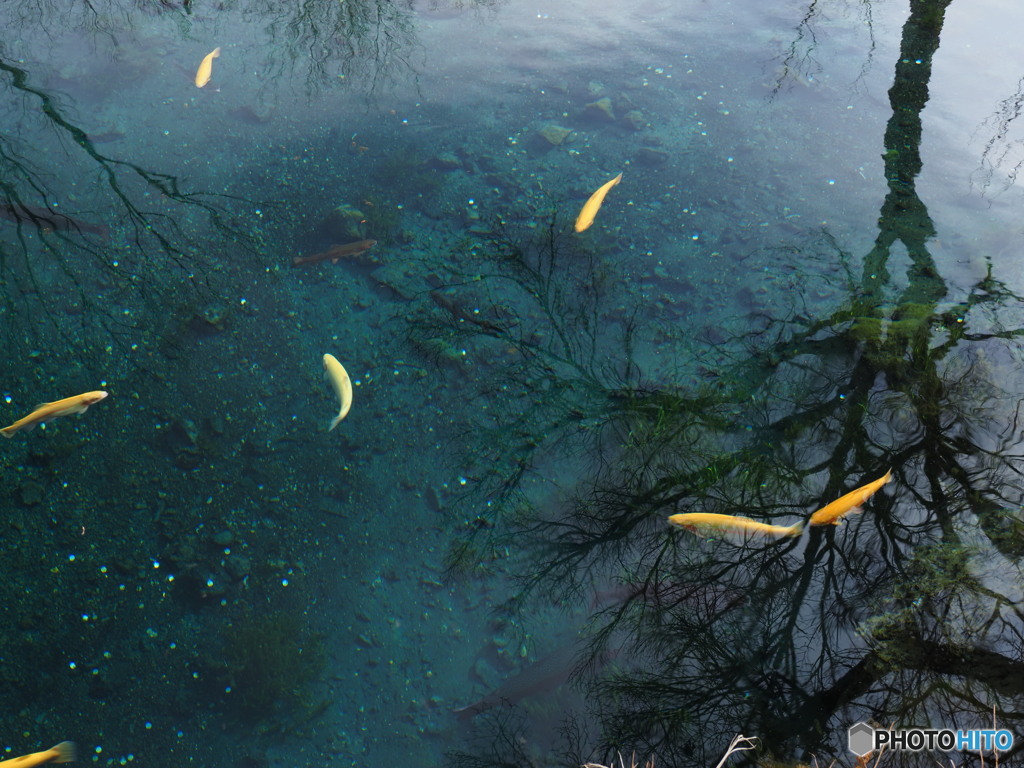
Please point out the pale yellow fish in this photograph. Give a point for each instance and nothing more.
(342, 385)
(710, 522)
(61, 753)
(851, 502)
(48, 411)
(206, 68)
(590, 208)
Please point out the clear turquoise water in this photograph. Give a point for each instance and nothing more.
(805, 277)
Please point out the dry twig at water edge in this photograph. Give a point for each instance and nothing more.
(739, 743)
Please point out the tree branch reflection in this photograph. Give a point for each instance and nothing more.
(909, 614)
(29, 197)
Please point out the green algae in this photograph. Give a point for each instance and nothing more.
(269, 661)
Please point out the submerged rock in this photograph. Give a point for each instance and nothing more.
(634, 119)
(444, 161)
(252, 114)
(600, 110)
(214, 316)
(238, 567)
(345, 224)
(652, 156)
(30, 493)
(554, 134)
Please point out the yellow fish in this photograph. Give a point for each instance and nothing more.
(850, 503)
(709, 522)
(591, 207)
(342, 384)
(206, 67)
(48, 411)
(62, 753)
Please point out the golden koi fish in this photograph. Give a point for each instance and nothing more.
(709, 522)
(206, 67)
(48, 411)
(61, 753)
(590, 208)
(850, 503)
(342, 384)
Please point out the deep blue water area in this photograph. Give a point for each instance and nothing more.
(807, 275)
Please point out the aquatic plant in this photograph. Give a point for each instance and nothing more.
(383, 217)
(267, 663)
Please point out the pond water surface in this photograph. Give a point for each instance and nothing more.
(807, 275)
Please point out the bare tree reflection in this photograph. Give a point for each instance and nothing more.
(363, 42)
(911, 614)
(798, 62)
(180, 231)
(59, 251)
(1002, 154)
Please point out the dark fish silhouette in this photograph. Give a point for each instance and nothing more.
(336, 252)
(544, 675)
(49, 219)
(104, 138)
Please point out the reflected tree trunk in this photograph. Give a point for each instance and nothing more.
(904, 217)
(834, 630)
